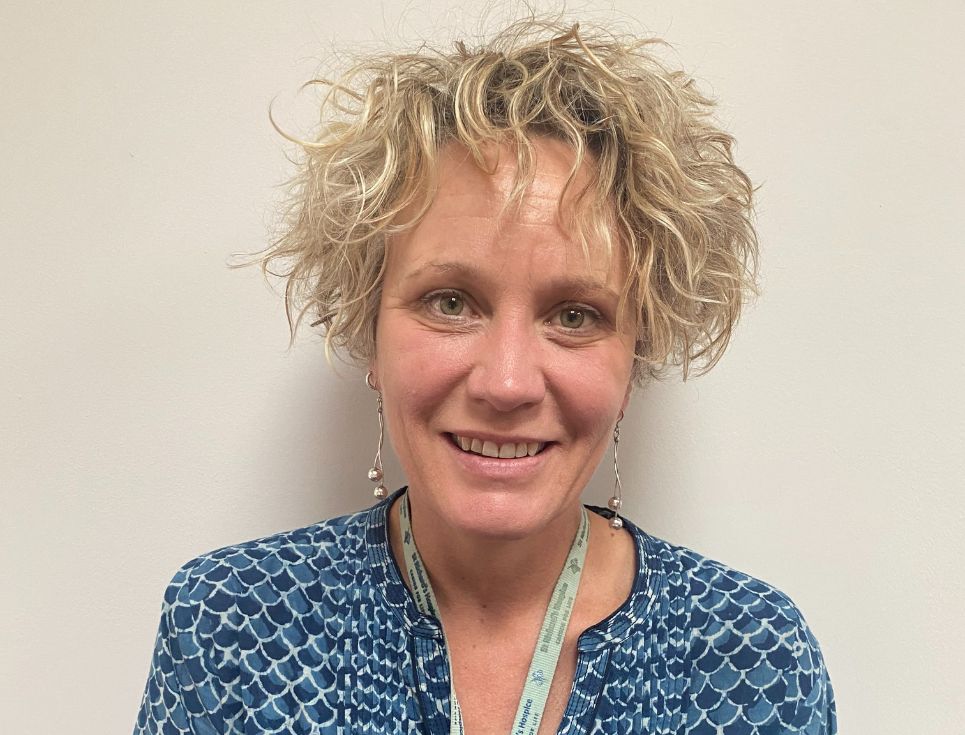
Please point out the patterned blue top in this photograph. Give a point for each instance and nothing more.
(314, 631)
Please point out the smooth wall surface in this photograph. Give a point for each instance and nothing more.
(149, 410)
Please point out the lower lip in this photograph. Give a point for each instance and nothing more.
(519, 468)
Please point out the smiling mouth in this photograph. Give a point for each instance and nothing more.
(507, 450)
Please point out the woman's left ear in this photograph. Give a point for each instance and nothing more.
(626, 398)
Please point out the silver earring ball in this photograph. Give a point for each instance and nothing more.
(614, 504)
(375, 474)
(616, 522)
(380, 492)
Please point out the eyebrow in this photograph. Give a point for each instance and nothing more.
(579, 285)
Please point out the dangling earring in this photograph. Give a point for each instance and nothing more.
(616, 502)
(375, 473)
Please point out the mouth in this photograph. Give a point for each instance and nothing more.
(497, 450)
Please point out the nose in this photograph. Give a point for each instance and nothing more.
(507, 370)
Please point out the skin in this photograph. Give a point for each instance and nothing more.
(494, 326)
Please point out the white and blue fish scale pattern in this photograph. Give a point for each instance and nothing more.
(312, 631)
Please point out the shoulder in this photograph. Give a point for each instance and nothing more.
(270, 567)
(719, 592)
(745, 644)
(253, 601)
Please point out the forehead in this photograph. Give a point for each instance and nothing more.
(472, 226)
(471, 213)
(464, 189)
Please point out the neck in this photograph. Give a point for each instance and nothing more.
(482, 574)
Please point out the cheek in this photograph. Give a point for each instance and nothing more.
(592, 389)
(418, 368)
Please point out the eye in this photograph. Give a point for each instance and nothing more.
(450, 304)
(572, 317)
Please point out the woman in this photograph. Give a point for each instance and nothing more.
(508, 239)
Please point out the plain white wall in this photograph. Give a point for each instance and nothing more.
(149, 410)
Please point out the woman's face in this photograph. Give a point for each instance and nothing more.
(495, 336)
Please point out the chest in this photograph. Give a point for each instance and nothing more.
(490, 675)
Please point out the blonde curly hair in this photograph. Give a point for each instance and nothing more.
(665, 185)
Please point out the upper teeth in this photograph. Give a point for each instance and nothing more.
(508, 450)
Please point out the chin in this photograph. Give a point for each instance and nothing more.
(499, 515)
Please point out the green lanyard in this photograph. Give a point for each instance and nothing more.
(548, 645)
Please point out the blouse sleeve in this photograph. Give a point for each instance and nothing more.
(186, 689)
(756, 666)
(816, 713)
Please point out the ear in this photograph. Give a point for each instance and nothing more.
(372, 375)
(626, 398)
